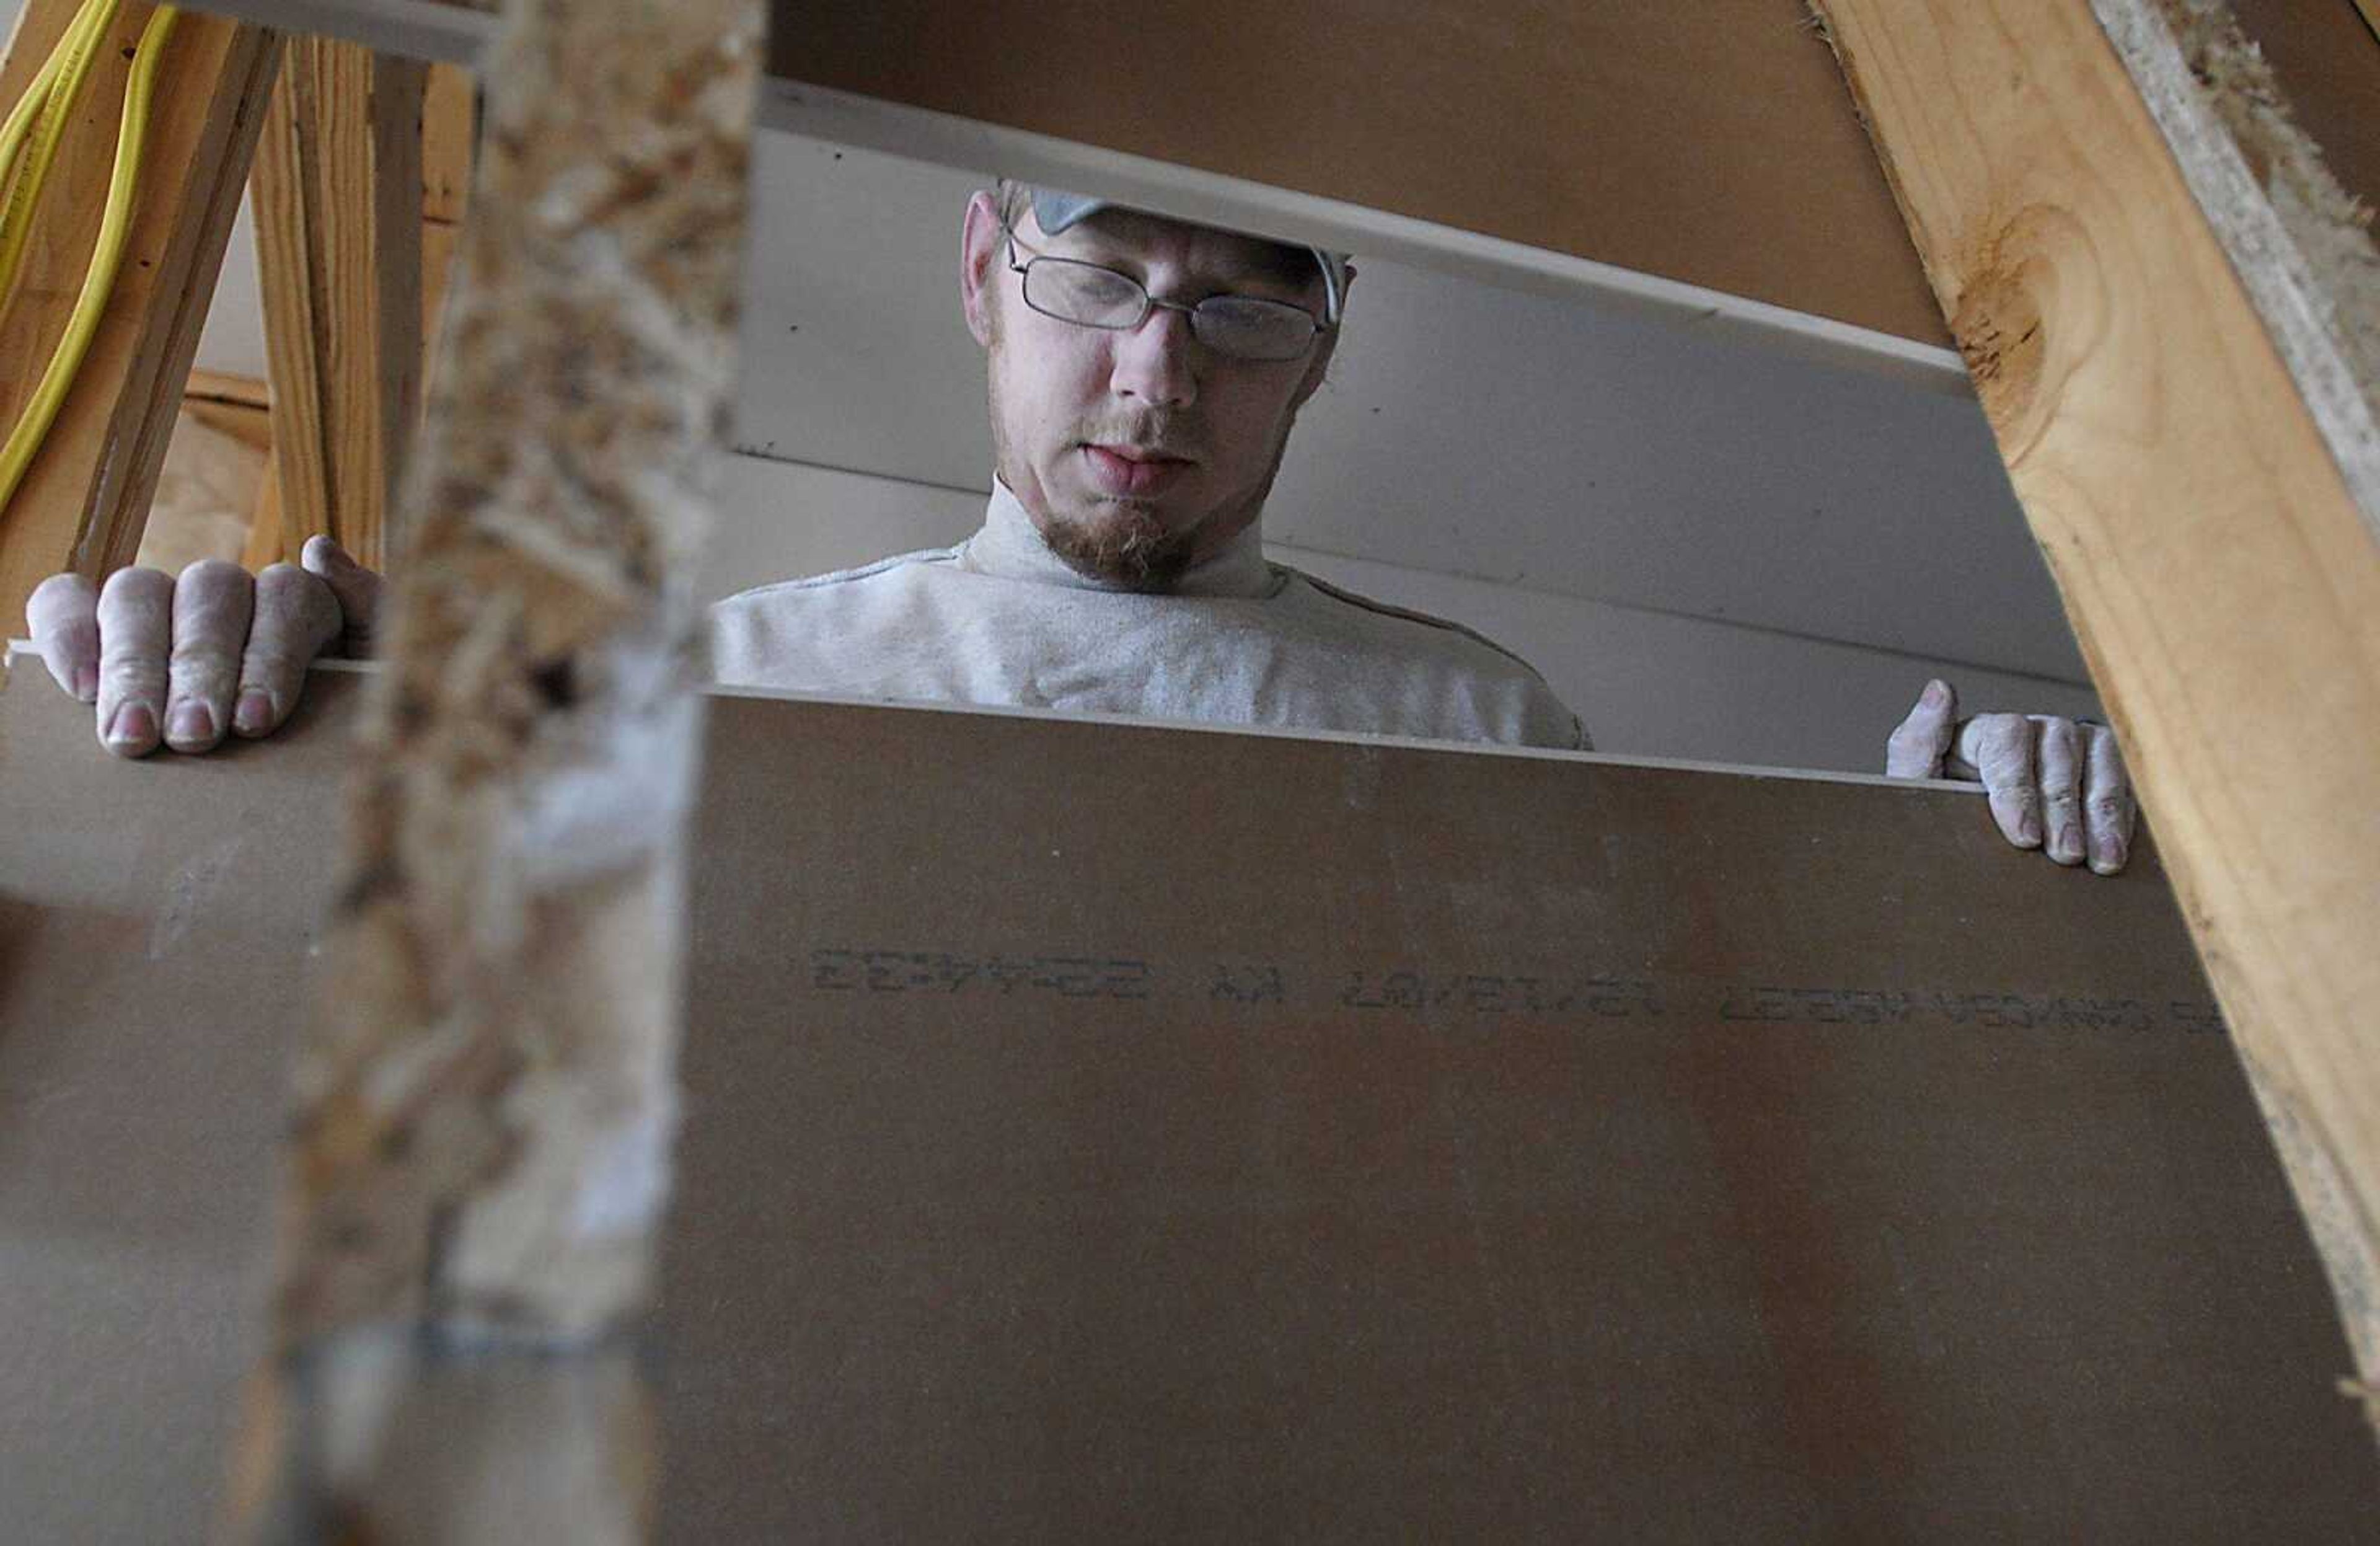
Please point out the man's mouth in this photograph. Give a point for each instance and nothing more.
(1129, 469)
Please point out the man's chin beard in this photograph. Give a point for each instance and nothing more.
(1124, 546)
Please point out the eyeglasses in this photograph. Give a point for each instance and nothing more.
(1236, 327)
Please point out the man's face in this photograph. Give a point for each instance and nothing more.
(1139, 453)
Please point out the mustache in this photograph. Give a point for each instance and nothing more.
(1165, 434)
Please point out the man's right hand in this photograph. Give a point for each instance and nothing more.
(186, 661)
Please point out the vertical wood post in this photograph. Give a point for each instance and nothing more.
(485, 1103)
(85, 497)
(2175, 393)
(338, 201)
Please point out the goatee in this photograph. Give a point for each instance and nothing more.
(1126, 547)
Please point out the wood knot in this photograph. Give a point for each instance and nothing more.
(1998, 328)
(2033, 279)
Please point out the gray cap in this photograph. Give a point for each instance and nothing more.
(1056, 210)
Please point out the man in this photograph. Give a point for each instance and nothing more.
(1144, 377)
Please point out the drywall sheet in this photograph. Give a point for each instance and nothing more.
(1098, 1132)
(1711, 143)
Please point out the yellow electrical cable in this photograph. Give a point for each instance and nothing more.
(20, 117)
(113, 226)
(55, 91)
(37, 95)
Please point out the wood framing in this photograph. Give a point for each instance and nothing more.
(2223, 581)
(480, 1157)
(238, 406)
(449, 129)
(86, 494)
(338, 200)
(1813, 193)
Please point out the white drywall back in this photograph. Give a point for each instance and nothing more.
(1647, 683)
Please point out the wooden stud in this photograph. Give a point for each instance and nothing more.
(337, 200)
(86, 494)
(265, 545)
(449, 126)
(480, 1156)
(221, 386)
(440, 242)
(2222, 579)
(449, 122)
(236, 405)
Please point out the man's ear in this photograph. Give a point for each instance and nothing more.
(979, 246)
(1324, 348)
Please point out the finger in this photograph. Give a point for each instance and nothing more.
(1999, 749)
(1916, 747)
(213, 602)
(63, 613)
(2108, 804)
(356, 589)
(297, 618)
(136, 629)
(2059, 764)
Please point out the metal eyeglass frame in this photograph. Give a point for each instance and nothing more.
(1149, 303)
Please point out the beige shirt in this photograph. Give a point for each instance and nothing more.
(999, 619)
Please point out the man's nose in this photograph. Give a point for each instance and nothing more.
(1153, 363)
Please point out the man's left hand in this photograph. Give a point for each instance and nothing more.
(2057, 784)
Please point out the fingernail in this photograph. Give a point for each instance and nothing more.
(1933, 695)
(2070, 842)
(2107, 855)
(2028, 828)
(85, 683)
(254, 714)
(133, 725)
(190, 724)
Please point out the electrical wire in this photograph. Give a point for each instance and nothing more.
(38, 123)
(100, 278)
(20, 117)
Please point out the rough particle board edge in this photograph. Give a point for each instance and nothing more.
(2301, 245)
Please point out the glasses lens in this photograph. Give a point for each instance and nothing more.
(1246, 328)
(1083, 293)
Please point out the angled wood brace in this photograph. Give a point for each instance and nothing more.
(2173, 315)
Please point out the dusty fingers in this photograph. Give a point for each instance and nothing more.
(2110, 810)
(63, 615)
(2058, 760)
(295, 618)
(1917, 746)
(213, 604)
(136, 630)
(356, 588)
(1999, 750)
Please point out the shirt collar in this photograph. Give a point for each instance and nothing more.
(1009, 546)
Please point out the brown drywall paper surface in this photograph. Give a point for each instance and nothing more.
(1709, 143)
(1095, 1130)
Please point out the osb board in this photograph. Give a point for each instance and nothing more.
(1711, 143)
(1100, 1131)
(2327, 61)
